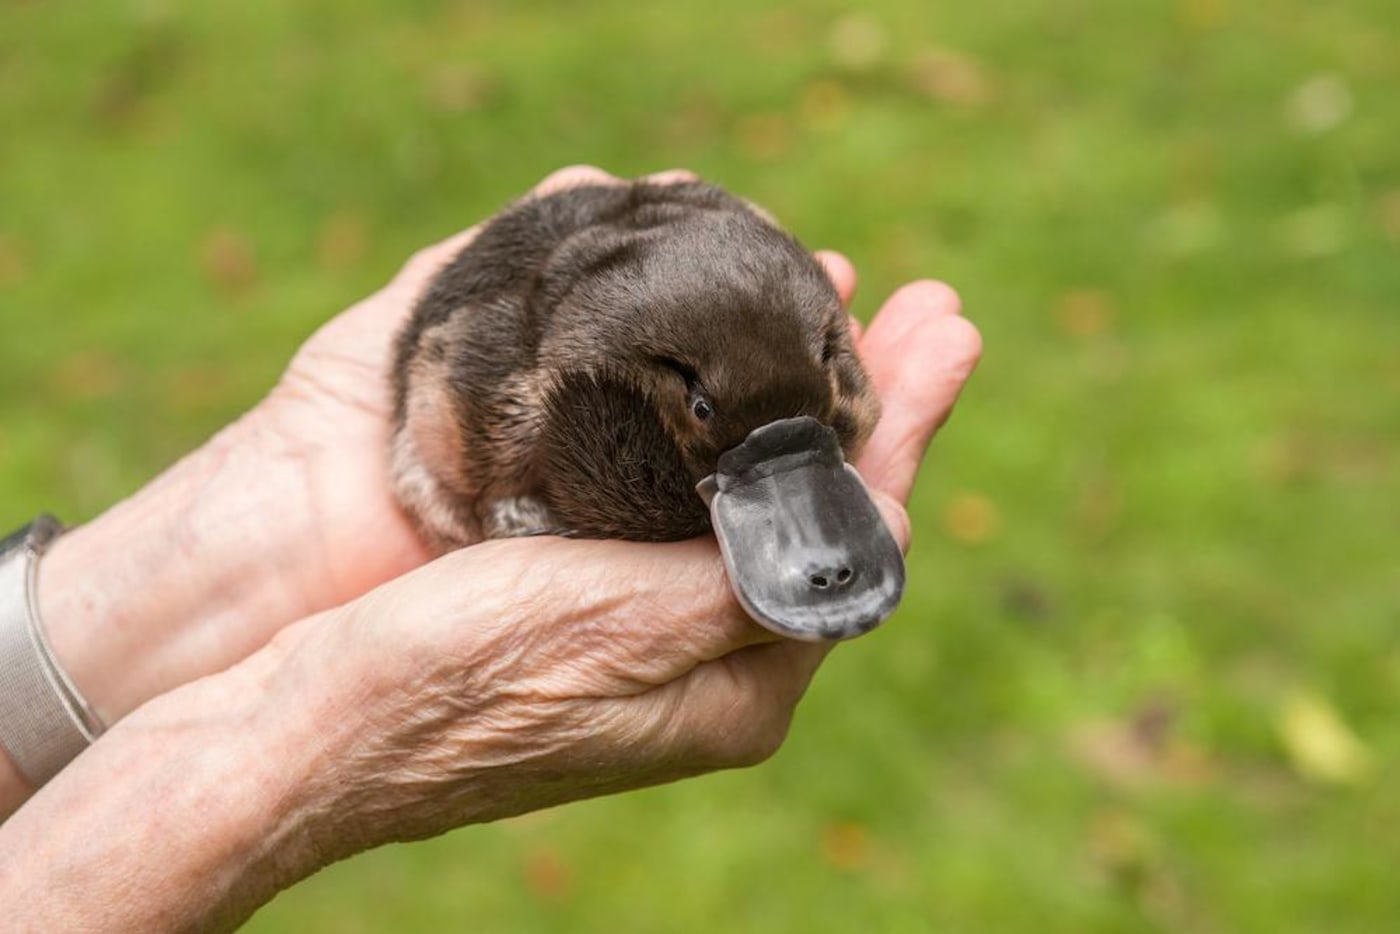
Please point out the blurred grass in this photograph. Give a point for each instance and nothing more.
(1155, 585)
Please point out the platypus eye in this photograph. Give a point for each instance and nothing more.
(700, 406)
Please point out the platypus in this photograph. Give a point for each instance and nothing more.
(645, 361)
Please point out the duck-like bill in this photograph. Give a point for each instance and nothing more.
(808, 554)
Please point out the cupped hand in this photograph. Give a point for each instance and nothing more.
(289, 512)
(518, 674)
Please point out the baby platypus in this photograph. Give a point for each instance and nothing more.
(642, 361)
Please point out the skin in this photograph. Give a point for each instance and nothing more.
(360, 694)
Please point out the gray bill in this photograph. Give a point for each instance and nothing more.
(807, 552)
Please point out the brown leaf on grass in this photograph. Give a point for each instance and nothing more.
(1304, 455)
(124, 89)
(1027, 599)
(1202, 15)
(825, 105)
(91, 373)
(697, 117)
(779, 30)
(763, 137)
(14, 266)
(1084, 313)
(951, 77)
(1125, 850)
(458, 87)
(1388, 213)
(199, 387)
(1112, 753)
(227, 260)
(548, 876)
(845, 845)
(1121, 845)
(342, 241)
(970, 518)
(1098, 506)
(1283, 459)
(1141, 750)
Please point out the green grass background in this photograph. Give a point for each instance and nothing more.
(1147, 675)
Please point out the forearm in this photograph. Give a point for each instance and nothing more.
(181, 575)
(188, 815)
(180, 580)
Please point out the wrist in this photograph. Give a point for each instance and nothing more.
(181, 579)
(199, 802)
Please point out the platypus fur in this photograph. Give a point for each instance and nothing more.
(588, 357)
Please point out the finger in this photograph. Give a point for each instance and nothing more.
(919, 352)
(670, 177)
(652, 612)
(841, 273)
(895, 516)
(734, 711)
(857, 330)
(682, 611)
(574, 176)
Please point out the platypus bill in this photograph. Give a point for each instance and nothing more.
(646, 362)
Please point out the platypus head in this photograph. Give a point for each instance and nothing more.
(674, 349)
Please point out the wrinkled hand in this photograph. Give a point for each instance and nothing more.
(518, 674)
(502, 678)
(286, 513)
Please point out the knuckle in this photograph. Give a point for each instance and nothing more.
(965, 342)
(572, 176)
(420, 264)
(896, 518)
(672, 177)
(939, 293)
(749, 738)
(759, 743)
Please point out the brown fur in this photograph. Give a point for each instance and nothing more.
(549, 378)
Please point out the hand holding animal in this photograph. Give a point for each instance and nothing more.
(647, 361)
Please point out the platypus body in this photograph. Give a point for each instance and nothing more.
(594, 354)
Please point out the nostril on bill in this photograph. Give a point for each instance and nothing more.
(832, 577)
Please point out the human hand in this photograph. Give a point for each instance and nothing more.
(499, 679)
(287, 512)
(519, 674)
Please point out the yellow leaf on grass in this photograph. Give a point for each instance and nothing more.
(858, 41)
(1323, 748)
